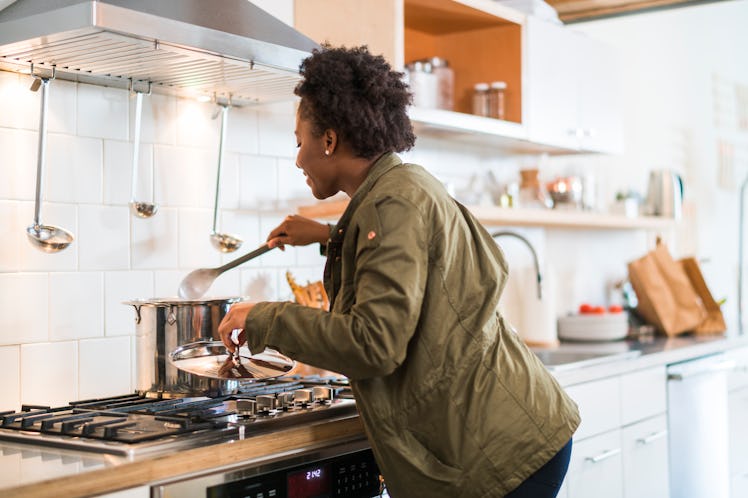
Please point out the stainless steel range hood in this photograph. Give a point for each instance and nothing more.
(219, 48)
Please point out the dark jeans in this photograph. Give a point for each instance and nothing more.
(546, 482)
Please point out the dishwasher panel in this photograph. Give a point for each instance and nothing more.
(698, 428)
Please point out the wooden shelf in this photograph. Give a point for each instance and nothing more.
(543, 218)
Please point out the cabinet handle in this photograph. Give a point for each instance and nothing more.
(652, 437)
(603, 456)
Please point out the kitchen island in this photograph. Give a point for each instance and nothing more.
(36, 471)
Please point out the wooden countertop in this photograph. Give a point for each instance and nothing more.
(149, 470)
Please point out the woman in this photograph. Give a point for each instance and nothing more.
(453, 402)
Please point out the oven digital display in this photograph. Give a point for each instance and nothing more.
(310, 482)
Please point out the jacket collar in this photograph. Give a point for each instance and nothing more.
(381, 166)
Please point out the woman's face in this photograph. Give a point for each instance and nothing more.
(318, 168)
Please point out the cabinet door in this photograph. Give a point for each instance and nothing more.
(550, 90)
(645, 459)
(572, 92)
(599, 405)
(643, 394)
(595, 469)
(599, 110)
(139, 492)
(737, 401)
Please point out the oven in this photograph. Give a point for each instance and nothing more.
(344, 470)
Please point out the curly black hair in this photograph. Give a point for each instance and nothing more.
(358, 95)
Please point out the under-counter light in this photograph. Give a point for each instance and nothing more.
(204, 98)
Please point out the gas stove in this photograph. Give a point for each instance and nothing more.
(135, 425)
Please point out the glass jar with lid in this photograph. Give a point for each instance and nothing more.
(481, 99)
(496, 99)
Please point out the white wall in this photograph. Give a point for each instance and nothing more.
(64, 333)
(683, 70)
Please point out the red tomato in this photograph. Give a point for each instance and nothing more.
(585, 308)
(614, 308)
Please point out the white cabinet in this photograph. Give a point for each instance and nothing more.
(645, 459)
(139, 492)
(560, 95)
(595, 469)
(572, 90)
(644, 434)
(737, 401)
(621, 446)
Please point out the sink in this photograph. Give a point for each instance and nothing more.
(557, 360)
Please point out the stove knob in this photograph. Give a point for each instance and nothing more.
(246, 407)
(322, 393)
(303, 396)
(285, 400)
(265, 403)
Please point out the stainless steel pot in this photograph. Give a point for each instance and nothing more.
(162, 326)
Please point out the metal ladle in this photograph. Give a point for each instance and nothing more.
(47, 238)
(224, 242)
(139, 209)
(197, 282)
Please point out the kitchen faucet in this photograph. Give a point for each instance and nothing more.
(509, 233)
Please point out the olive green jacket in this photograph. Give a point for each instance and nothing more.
(453, 402)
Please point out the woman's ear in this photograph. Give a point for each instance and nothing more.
(331, 141)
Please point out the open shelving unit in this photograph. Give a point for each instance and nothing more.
(543, 218)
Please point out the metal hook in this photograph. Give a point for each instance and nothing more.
(40, 77)
(131, 87)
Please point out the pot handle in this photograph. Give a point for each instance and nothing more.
(172, 317)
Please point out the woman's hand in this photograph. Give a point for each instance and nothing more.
(235, 318)
(298, 231)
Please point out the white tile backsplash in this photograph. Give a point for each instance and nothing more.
(242, 131)
(246, 225)
(104, 367)
(258, 181)
(276, 135)
(103, 237)
(166, 283)
(24, 308)
(195, 248)
(18, 164)
(73, 172)
(158, 119)
(292, 182)
(10, 372)
(155, 241)
(121, 286)
(62, 100)
(259, 284)
(49, 373)
(11, 232)
(185, 177)
(102, 112)
(76, 305)
(117, 161)
(198, 124)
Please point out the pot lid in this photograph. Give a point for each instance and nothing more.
(177, 301)
(212, 359)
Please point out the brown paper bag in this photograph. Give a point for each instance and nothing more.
(666, 297)
(714, 322)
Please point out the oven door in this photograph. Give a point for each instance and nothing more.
(347, 470)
